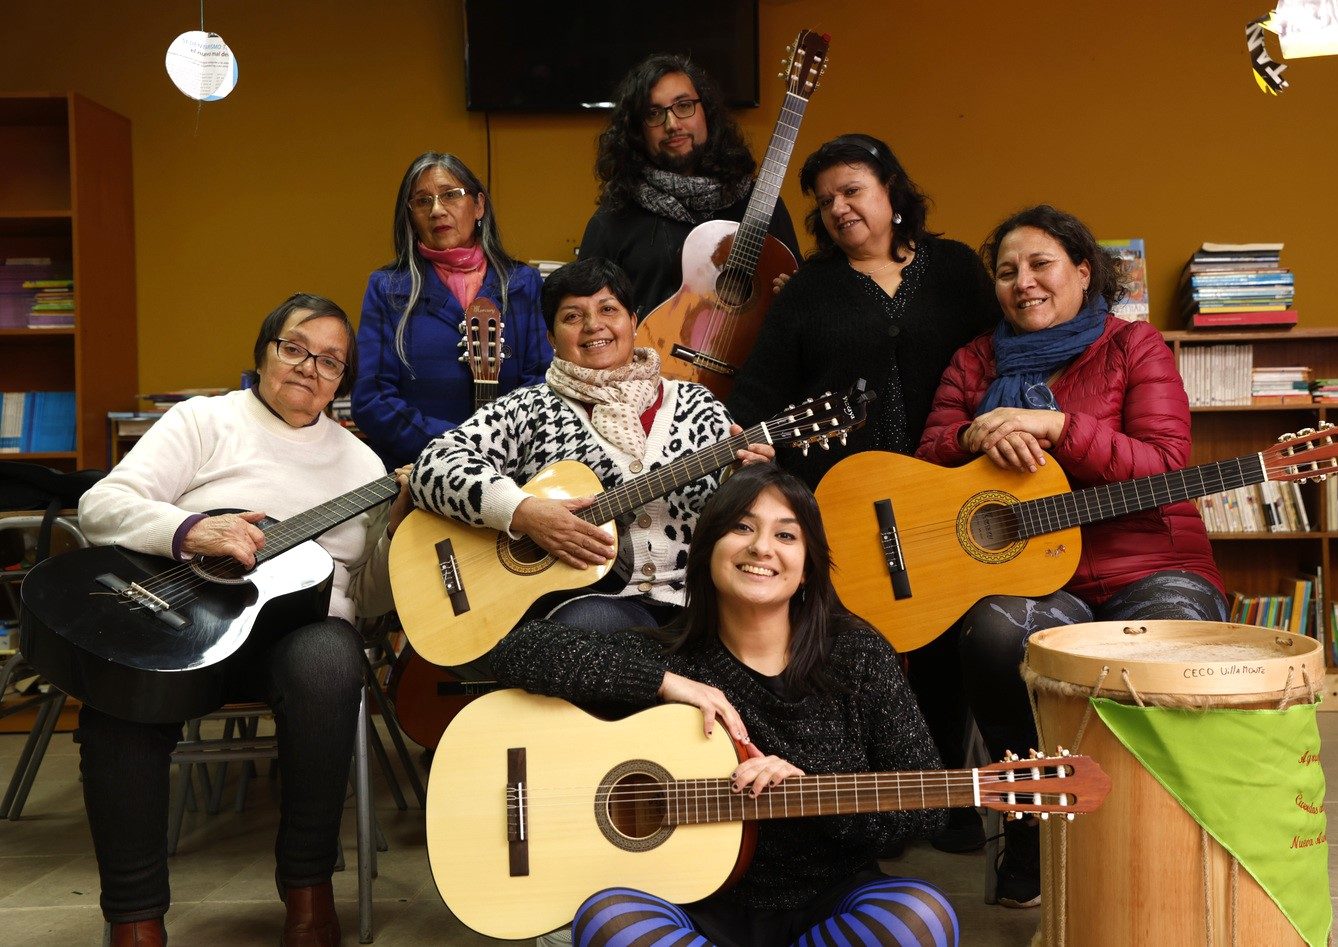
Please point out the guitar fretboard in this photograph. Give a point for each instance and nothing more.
(692, 801)
(1093, 504)
(282, 536)
(752, 232)
(637, 493)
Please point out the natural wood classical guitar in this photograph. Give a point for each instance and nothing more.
(459, 589)
(705, 330)
(916, 545)
(534, 805)
(481, 338)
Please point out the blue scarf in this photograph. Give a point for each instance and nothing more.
(1024, 360)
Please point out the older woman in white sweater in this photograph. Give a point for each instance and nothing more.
(270, 451)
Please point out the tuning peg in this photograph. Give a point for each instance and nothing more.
(1045, 816)
(780, 75)
(462, 325)
(803, 448)
(1286, 437)
(843, 438)
(826, 444)
(1305, 432)
(463, 358)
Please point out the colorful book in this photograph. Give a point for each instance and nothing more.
(1134, 305)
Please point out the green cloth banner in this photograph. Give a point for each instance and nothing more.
(1252, 779)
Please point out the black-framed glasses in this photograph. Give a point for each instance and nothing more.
(683, 108)
(424, 203)
(290, 353)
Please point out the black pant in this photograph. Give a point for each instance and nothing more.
(312, 678)
(994, 643)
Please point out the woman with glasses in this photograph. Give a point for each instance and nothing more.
(886, 299)
(448, 253)
(1104, 398)
(271, 451)
(672, 158)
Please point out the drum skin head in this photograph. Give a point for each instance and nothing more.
(1218, 662)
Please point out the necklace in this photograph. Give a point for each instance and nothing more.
(873, 272)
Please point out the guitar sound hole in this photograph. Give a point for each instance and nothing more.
(734, 287)
(630, 806)
(526, 551)
(636, 806)
(992, 527)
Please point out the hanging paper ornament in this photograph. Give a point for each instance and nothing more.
(202, 66)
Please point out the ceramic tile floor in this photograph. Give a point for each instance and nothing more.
(222, 877)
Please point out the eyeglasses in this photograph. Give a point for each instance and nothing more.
(1039, 395)
(290, 353)
(424, 203)
(683, 108)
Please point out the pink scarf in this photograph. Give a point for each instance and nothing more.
(462, 270)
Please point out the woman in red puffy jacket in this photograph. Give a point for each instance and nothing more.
(1104, 398)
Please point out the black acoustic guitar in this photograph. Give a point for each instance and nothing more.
(148, 639)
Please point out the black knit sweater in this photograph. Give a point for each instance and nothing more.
(826, 329)
(874, 726)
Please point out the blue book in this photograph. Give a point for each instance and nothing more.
(53, 429)
(1242, 279)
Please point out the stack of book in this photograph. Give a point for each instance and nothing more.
(1269, 507)
(53, 303)
(1237, 284)
(1217, 375)
(1287, 384)
(16, 295)
(1324, 390)
(36, 422)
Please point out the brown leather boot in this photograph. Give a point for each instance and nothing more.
(150, 933)
(311, 921)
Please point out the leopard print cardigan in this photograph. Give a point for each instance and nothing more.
(473, 472)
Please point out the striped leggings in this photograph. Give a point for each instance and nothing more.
(890, 912)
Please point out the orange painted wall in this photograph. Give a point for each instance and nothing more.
(1141, 117)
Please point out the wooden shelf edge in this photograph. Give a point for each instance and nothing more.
(1312, 534)
(1250, 335)
(23, 332)
(49, 455)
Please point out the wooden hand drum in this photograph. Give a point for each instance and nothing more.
(1140, 870)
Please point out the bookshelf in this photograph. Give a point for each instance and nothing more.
(66, 193)
(1261, 563)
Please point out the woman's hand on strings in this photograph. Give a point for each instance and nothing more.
(227, 534)
(760, 772)
(554, 526)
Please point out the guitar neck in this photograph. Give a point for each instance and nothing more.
(694, 801)
(636, 493)
(752, 232)
(1093, 504)
(284, 535)
(484, 391)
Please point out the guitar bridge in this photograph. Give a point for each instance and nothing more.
(702, 360)
(140, 597)
(517, 812)
(890, 541)
(450, 577)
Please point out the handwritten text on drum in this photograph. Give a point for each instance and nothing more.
(1223, 670)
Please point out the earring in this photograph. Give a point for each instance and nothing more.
(896, 218)
(802, 594)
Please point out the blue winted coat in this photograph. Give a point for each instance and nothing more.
(400, 410)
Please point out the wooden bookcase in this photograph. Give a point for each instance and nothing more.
(1260, 563)
(66, 193)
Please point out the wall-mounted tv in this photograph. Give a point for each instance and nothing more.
(530, 55)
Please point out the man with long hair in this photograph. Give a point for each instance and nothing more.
(671, 158)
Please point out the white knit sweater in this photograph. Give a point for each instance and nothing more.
(230, 452)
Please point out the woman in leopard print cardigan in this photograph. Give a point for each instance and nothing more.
(604, 404)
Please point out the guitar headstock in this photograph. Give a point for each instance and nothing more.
(1061, 784)
(821, 419)
(1310, 453)
(806, 62)
(482, 339)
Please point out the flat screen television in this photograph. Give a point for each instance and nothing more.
(527, 55)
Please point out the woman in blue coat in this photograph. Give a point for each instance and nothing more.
(412, 385)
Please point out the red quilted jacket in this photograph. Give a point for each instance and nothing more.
(1127, 416)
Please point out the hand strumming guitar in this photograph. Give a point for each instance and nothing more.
(554, 526)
